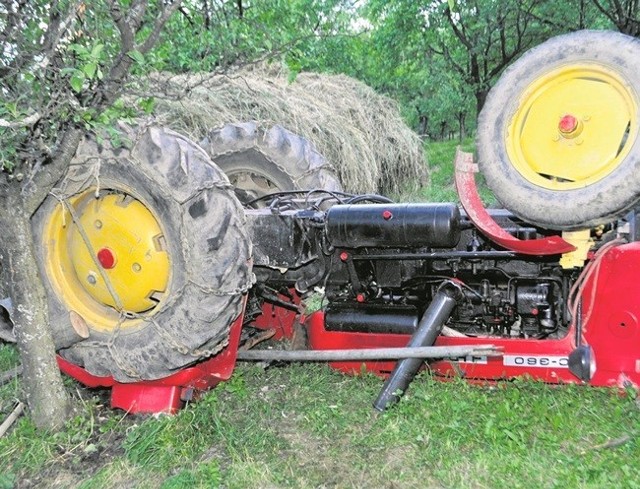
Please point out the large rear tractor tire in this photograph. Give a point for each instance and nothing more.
(262, 161)
(559, 135)
(145, 257)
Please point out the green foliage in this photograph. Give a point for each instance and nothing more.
(88, 66)
(309, 426)
(9, 356)
(62, 68)
(438, 59)
(441, 187)
(216, 35)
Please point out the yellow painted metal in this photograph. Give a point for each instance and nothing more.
(128, 228)
(581, 239)
(606, 108)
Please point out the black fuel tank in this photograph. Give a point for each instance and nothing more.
(393, 225)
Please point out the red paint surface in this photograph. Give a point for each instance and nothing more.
(278, 318)
(163, 395)
(470, 200)
(611, 316)
(567, 124)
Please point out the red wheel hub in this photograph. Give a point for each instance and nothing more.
(568, 124)
(107, 258)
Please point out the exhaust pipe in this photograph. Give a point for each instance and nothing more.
(428, 330)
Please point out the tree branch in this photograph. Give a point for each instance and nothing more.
(26, 122)
(56, 28)
(159, 24)
(459, 34)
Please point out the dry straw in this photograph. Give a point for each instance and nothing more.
(359, 131)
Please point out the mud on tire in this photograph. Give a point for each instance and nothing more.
(260, 161)
(202, 225)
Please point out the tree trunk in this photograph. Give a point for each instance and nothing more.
(38, 172)
(423, 125)
(461, 126)
(45, 394)
(481, 97)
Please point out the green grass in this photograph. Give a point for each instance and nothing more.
(440, 156)
(9, 357)
(307, 426)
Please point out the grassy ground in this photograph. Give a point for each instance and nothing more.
(441, 187)
(305, 426)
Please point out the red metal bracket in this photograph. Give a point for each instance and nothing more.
(465, 170)
(167, 394)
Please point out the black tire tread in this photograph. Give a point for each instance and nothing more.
(210, 256)
(598, 203)
(291, 161)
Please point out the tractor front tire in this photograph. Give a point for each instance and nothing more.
(261, 161)
(558, 137)
(145, 257)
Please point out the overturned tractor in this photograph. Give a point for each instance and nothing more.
(159, 269)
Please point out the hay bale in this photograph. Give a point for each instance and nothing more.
(359, 131)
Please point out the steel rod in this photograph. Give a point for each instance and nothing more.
(15, 414)
(368, 354)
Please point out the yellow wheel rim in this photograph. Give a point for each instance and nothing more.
(573, 126)
(107, 259)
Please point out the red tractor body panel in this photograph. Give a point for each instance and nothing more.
(165, 395)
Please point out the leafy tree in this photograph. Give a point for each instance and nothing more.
(439, 59)
(489, 36)
(623, 14)
(64, 66)
(213, 35)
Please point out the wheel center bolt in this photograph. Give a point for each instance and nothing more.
(107, 258)
(567, 124)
